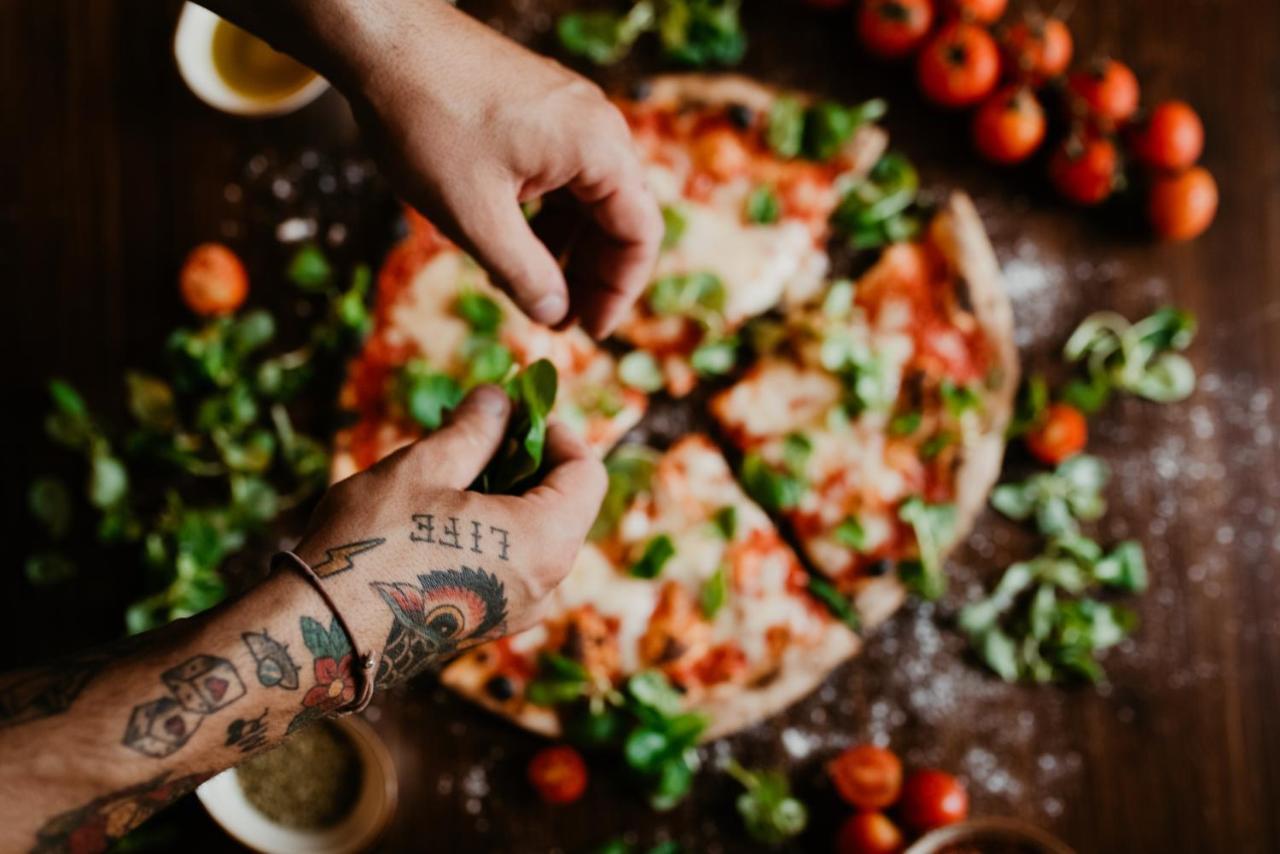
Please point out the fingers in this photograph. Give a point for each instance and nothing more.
(610, 270)
(576, 481)
(455, 454)
(495, 232)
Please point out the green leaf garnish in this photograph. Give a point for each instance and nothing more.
(763, 207)
(772, 488)
(877, 210)
(630, 469)
(674, 224)
(768, 810)
(656, 553)
(934, 527)
(519, 458)
(837, 603)
(310, 269)
(481, 312)
(714, 593)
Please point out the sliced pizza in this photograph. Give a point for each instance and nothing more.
(440, 327)
(747, 177)
(874, 420)
(686, 576)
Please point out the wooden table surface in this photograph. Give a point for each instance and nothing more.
(110, 170)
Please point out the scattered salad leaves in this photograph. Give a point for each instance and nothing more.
(763, 207)
(768, 809)
(772, 487)
(216, 429)
(817, 132)
(714, 593)
(641, 371)
(1142, 358)
(695, 33)
(1043, 622)
(879, 209)
(674, 223)
(1057, 500)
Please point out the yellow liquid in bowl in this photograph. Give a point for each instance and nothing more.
(253, 68)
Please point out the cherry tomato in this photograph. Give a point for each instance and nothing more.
(977, 11)
(869, 833)
(558, 774)
(959, 66)
(894, 28)
(1182, 206)
(866, 776)
(1083, 169)
(1060, 434)
(1009, 126)
(933, 798)
(1038, 48)
(213, 281)
(1171, 138)
(1108, 91)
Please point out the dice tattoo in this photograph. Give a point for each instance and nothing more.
(197, 687)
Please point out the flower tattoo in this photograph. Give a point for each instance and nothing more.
(335, 686)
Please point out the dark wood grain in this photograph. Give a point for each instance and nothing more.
(110, 171)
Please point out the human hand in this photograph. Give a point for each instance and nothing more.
(469, 125)
(405, 544)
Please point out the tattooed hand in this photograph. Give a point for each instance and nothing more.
(405, 545)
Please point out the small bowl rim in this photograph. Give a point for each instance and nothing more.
(1015, 829)
(224, 801)
(191, 53)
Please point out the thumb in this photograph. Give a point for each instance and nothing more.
(496, 233)
(455, 454)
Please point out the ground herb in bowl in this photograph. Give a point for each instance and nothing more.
(310, 781)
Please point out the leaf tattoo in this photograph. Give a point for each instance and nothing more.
(335, 685)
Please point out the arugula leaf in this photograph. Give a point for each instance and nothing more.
(310, 269)
(687, 294)
(674, 224)
(725, 521)
(934, 527)
(481, 312)
(828, 126)
(699, 33)
(519, 458)
(640, 370)
(769, 811)
(427, 395)
(763, 207)
(630, 469)
(877, 210)
(656, 553)
(560, 680)
(1029, 406)
(715, 356)
(785, 128)
(905, 423)
(604, 37)
(1140, 358)
(714, 593)
(850, 534)
(839, 605)
(958, 399)
(771, 488)
(1057, 500)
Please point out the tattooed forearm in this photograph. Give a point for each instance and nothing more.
(102, 821)
(48, 690)
(276, 669)
(449, 610)
(197, 687)
(335, 685)
(341, 558)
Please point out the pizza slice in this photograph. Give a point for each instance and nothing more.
(874, 420)
(684, 576)
(747, 177)
(441, 327)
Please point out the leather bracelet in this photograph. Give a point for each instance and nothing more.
(365, 661)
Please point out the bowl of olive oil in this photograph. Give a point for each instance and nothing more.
(237, 72)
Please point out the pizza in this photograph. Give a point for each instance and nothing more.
(856, 428)
(874, 420)
(747, 227)
(439, 321)
(684, 575)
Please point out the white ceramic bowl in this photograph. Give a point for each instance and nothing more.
(192, 48)
(224, 800)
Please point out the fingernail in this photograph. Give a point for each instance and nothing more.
(550, 309)
(492, 400)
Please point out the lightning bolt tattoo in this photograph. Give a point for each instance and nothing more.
(340, 558)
